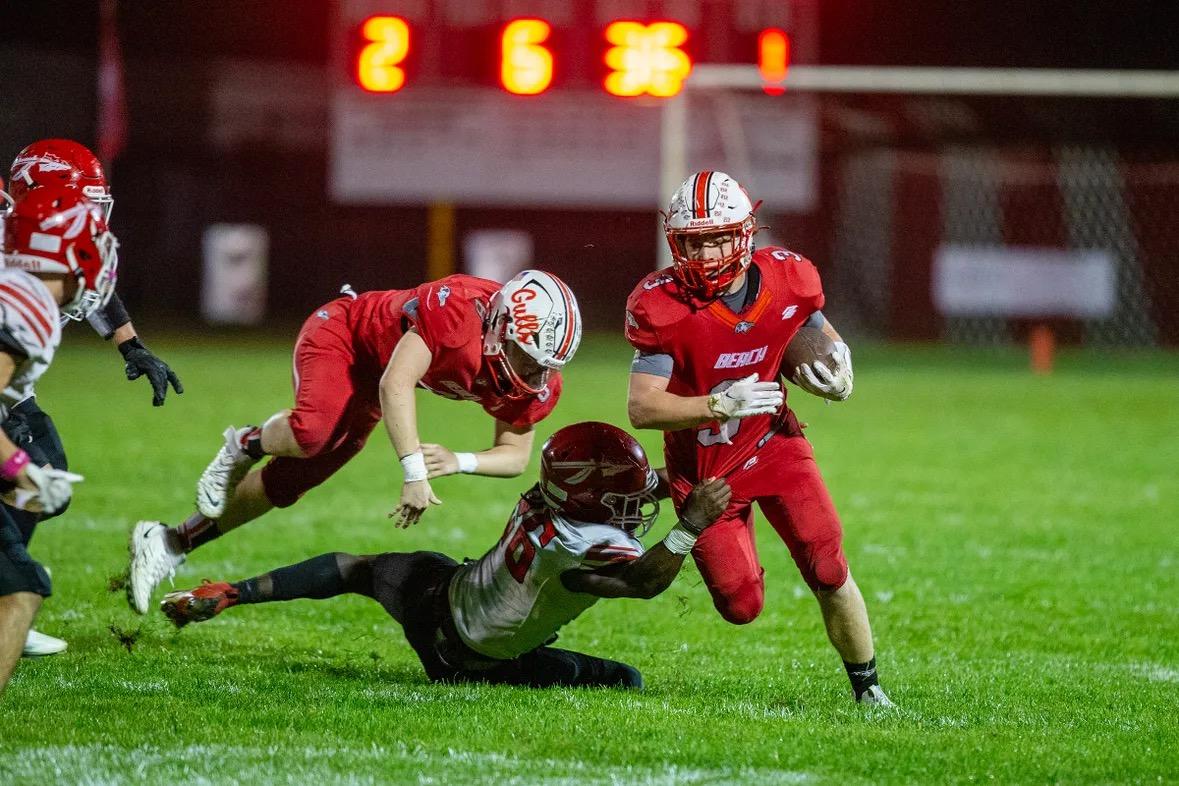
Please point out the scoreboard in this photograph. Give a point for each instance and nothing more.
(539, 102)
(627, 56)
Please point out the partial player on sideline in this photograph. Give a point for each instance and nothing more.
(573, 538)
(55, 164)
(710, 334)
(357, 361)
(59, 260)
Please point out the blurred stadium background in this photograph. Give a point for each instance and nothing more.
(263, 113)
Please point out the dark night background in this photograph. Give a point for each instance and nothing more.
(853, 32)
(172, 180)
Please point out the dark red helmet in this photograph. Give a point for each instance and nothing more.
(595, 472)
(60, 162)
(57, 231)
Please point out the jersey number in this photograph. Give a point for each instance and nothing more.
(727, 429)
(519, 551)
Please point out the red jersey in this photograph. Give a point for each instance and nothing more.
(711, 347)
(448, 315)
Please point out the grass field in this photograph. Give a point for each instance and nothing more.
(1017, 539)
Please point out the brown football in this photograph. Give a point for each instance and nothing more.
(808, 345)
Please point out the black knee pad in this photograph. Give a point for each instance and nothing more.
(21, 573)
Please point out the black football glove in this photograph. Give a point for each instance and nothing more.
(141, 361)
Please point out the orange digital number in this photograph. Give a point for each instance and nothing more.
(646, 59)
(773, 59)
(526, 67)
(378, 67)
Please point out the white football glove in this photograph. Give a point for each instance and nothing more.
(746, 397)
(54, 486)
(831, 384)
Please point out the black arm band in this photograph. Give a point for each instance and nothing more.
(110, 317)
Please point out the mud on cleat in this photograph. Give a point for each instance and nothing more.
(200, 604)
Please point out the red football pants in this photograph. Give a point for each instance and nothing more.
(786, 484)
(336, 406)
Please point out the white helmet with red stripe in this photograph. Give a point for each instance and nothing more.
(709, 226)
(533, 327)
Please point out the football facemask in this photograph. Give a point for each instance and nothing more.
(709, 226)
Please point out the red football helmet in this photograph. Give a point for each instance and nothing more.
(61, 162)
(58, 231)
(596, 472)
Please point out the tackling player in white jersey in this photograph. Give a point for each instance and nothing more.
(571, 540)
(60, 260)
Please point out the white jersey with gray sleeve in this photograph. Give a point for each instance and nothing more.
(30, 330)
(512, 600)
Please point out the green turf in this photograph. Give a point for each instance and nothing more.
(1016, 539)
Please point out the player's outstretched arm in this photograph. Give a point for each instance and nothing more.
(506, 458)
(112, 321)
(653, 572)
(140, 361)
(408, 364)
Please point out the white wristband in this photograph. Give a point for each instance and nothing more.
(679, 540)
(468, 463)
(414, 466)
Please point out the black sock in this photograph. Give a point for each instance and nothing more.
(195, 532)
(316, 578)
(251, 443)
(862, 676)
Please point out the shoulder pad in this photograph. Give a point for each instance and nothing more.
(800, 273)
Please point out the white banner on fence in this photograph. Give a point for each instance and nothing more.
(1015, 281)
(233, 287)
(572, 148)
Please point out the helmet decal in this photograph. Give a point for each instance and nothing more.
(538, 314)
(596, 472)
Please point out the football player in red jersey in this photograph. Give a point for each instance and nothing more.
(59, 260)
(710, 334)
(573, 538)
(357, 362)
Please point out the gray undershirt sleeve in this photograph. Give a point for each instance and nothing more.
(655, 363)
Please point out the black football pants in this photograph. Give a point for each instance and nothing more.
(413, 588)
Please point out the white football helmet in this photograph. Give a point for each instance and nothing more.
(709, 209)
(534, 317)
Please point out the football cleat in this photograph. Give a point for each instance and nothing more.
(152, 561)
(875, 695)
(38, 644)
(224, 472)
(200, 604)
